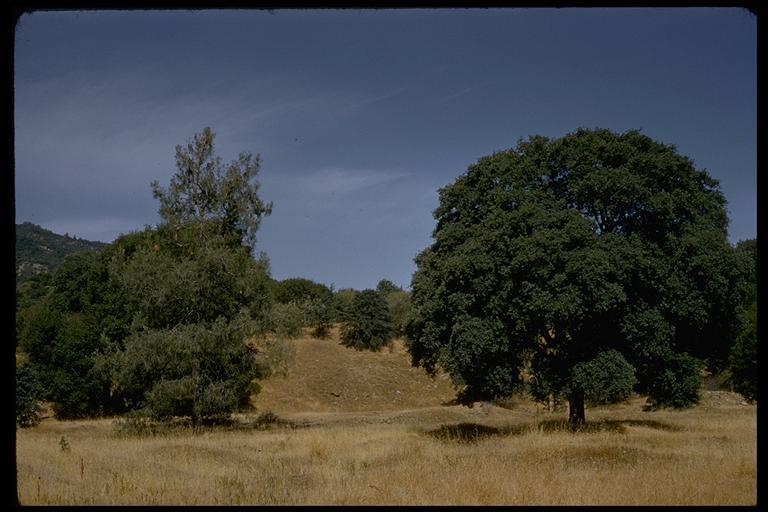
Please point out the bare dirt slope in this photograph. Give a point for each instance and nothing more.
(328, 377)
(331, 384)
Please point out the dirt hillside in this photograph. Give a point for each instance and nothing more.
(328, 377)
(329, 383)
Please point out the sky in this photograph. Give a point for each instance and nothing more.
(360, 116)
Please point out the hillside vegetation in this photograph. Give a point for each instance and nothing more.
(39, 250)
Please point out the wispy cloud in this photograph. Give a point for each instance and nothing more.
(341, 182)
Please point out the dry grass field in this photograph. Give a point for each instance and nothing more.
(371, 445)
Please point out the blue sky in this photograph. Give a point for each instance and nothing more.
(360, 116)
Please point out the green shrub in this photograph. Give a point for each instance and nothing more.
(299, 289)
(342, 303)
(385, 287)
(28, 396)
(677, 384)
(608, 378)
(277, 359)
(286, 320)
(369, 323)
(399, 303)
(318, 314)
(199, 371)
(743, 358)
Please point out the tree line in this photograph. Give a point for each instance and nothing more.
(164, 322)
(582, 268)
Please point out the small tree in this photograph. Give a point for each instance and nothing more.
(342, 302)
(369, 324)
(29, 394)
(385, 287)
(743, 357)
(298, 290)
(199, 371)
(399, 303)
(318, 314)
(287, 320)
(204, 189)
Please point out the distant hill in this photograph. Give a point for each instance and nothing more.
(39, 250)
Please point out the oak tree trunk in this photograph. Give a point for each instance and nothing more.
(576, 407)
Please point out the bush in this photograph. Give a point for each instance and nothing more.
(342, 303)
(167, 286)
(743, 358)
(29, 393)
(318, 314)
(298, 290)
(385, 287)
(677, 384)
(606, 379)
(277, 359)
(199, 371)
(399, 303)
(62, 347)
(369, 324)
(286, 320)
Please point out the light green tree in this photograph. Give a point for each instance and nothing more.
(204, 189)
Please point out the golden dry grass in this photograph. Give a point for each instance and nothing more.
(372, 430)
(488, 455)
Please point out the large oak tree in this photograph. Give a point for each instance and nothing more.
(574, 264)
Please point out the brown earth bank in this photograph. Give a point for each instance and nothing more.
(328, 377)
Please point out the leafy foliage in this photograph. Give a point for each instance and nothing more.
(676, 383)
(319, 315)
(31, 290)
(202, 371)
(369, 324)
(302, 302)
(743, 357)
(174, 278)
(298, 290)
(287, 320)
(342, 302)
(547, 255)
(203, 188)
(62, 346)
(385, 287)
(277, 358)
(29, 394)
(156, 321)
(399, 303)
(608, 378)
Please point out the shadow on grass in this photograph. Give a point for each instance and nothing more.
(138, 426)
(474, 432)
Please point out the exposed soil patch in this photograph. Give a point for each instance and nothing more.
(328, 377)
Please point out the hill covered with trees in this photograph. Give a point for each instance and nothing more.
(39, 250)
